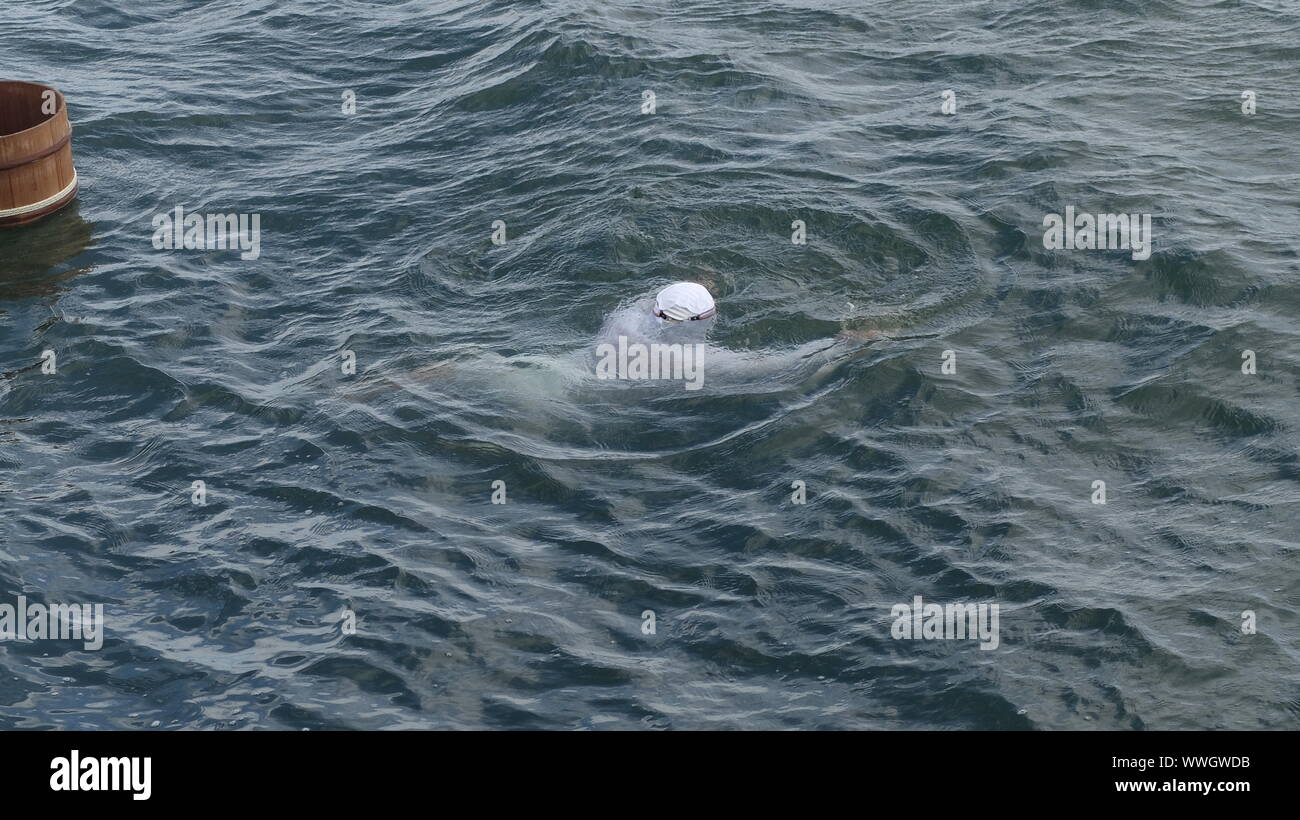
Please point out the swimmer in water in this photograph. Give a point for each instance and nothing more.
(673, 328)
(682, 312)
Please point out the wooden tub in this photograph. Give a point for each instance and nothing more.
(36, 173)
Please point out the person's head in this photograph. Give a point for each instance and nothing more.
(684, 302)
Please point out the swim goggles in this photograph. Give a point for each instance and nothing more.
(708, 314)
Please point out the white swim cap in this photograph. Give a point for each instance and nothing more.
(684, 301)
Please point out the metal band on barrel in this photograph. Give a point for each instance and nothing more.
(39, 155)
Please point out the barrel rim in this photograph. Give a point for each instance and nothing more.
(59, 109)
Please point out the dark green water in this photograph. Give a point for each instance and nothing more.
(371, 492)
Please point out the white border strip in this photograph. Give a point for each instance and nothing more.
(44, 203)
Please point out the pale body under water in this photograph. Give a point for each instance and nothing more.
(554, 383)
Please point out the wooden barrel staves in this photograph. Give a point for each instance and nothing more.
(36, 173)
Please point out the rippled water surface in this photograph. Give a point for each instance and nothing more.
(330, 492)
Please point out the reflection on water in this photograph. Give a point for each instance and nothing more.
(33, 258)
